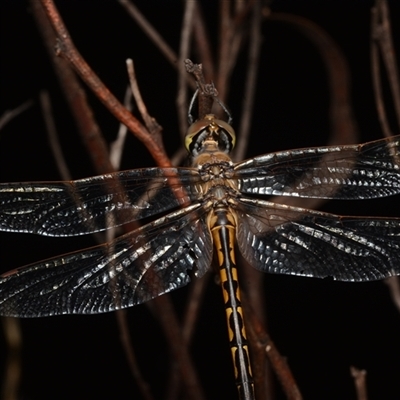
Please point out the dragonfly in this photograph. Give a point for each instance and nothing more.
(210, 207)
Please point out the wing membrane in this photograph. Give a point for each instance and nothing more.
(363, 171)
(92, 204)
(130, 270)
(287, 240)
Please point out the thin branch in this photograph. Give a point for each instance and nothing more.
(202, 41)
(150, 122)
(75, 95)
(150, 31)
(342, 122)
(13, 370)
(360, 382)
(53, 136)
(130, 354)
(184, 51)
(66, 48)
(260, 338)
(8, 115)
(179, 350)
(250, 82)
(394, 288)
(194, 301)
(117, 146)
(381, 43)
(154, 36)
(231, 38)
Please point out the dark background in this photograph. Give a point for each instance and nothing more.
(322, 327)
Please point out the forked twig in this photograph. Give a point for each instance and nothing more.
(66, 48)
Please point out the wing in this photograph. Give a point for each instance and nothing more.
(343, 172)
(287, 240)
(130, 270)
(93, 204)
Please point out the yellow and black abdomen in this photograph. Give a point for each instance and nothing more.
(223, 229)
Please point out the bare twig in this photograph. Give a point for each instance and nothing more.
(260, 338)
(53, 136)
(75, 96)
(206, 91)
(342, 122)
(197, 290)
(150, 122)
(230, 40)
(184, 50)
(178, 347)
(394, 288)
(200, 37)
(67, 49)
(130, 354)
(381, 42)
(12, 375)
(8, 115)
(153, 34)
(117, 146)
(150, 31)
(360, 382)
(251, 79)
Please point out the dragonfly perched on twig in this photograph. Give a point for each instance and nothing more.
(207, 207)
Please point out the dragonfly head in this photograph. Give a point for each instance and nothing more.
(209, 129)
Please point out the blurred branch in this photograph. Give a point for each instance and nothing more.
(13, 369)
(382, 43)
(52, 134)
(260, 338)
(150, 31)
(250, 82)
(360, 382)
(184, 51)
(394, 288)
(8, 115)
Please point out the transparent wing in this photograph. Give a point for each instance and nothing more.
(287, 240)
(93, 204)
(132, 269)
(343, 172)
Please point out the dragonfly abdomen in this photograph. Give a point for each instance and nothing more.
(223, 228)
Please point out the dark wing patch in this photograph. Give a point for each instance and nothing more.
(287, 240)
(130, 270)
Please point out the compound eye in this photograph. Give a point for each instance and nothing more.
(193, 133)
(228, 131)
(210, 127)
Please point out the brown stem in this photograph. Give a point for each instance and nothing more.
(260, 338)
(13, 370)
(75, 96)
(360, 382)
(130, 354)
(52, 134)
(10, 114)
(66, 48)
(250, 82)
(382, 43)
(173, 333)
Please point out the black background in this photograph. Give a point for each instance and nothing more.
(322, 327)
